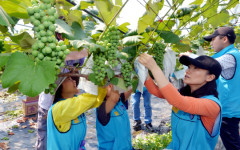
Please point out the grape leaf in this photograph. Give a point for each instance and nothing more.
(33, 77)
(107, 10)
(110, 72)
(5, 20)
(152, 9)
(3, 59)
(92, 78)
(123, 27)
(24, 40)
(134, 83)
(63, 27)
(132, 40)
(169, 37)
(115, 80)
(16, 8)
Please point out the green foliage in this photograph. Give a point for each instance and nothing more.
(153, 141)
(83, 31)
(5, 138)
(107, 10)
(33, 77)
(5, 20)
(152, 9)
(16, 8)
(24, 40)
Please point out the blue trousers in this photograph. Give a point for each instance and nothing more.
(230, 133)
(147, 105)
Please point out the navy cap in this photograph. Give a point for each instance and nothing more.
(203, 62)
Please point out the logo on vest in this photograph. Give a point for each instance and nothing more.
(175, 109)
(116, 113)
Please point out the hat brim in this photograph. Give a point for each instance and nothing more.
(209, 38)
(186, 60)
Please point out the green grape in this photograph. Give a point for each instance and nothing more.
(36, 9)
(67, 51)
(44, 39)
(99, 68)
(49, 33)
(46, 91)
(43, 33)
(40, 56)
(35, 53)
(61, 43)
(158, 51)
(52, 45)
(52, 18)
(45, 18)
(52, 27)
(58, 48)
(56, 16)
(42, 13)
(37, 16)
(41, 45)
(63, 47)
(48, 50)
(41, 27)
(126, 70)
(30, 10)
(32, 19)
(60, 54)
(35, 46)
(46, 24)
(42, 6)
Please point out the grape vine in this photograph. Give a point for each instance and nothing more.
(158, 52)
(46, 48)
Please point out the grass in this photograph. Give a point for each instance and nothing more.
(5, 138)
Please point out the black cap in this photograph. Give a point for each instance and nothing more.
(203, 62)
(224, 31)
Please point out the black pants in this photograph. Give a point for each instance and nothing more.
(230, 133)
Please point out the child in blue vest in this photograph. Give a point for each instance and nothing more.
(66, 122)
(112, 123)
(196, 112)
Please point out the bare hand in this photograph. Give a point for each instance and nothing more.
(112, 95)
(147, 61)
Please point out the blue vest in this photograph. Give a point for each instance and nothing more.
(116, 135)
(229, 90)
(189, 133)
(73, 139)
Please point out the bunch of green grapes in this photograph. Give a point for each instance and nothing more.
(2, 46)
(126, 70)
(46, 48)
(99, 67)
(158, 51)
(111, 42)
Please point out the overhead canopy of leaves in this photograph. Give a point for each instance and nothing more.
(107, 10)
(16, 8)
(33, 77)
(152, 9)
(5, 20)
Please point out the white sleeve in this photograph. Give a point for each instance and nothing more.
(227, 61)
(228, 64)
(45, 100)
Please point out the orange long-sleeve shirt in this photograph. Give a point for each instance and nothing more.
(206, 108)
